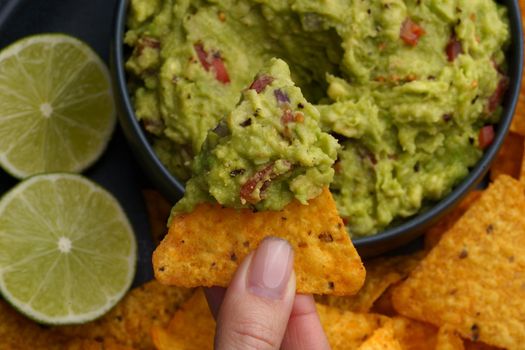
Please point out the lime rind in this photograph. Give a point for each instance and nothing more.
(61, 158)
(82, 287)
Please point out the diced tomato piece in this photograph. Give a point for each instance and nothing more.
(221, 74)
(411, 32)
(486, 136)
(215, 62)
(453, 49)
(497, 96)
(261, 82)
(249, 186)
(202, 55)
(262, 180)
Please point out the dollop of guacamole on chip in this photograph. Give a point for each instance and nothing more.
(269, 150)
(410, 89)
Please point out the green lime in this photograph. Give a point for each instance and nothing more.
(68, 250)
(56, 105)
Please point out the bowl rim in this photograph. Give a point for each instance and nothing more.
(370, 245)
(119, 74)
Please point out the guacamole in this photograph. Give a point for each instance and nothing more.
(410, 89)
(267, 151)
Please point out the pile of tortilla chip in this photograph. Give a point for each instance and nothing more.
(464, 290)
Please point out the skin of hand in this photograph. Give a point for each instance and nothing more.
(260, 309)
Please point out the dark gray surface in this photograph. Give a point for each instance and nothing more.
(91, 21)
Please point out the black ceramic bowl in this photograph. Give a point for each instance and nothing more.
(367, 246)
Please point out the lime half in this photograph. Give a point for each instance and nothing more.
(56, 105)
(67, 250)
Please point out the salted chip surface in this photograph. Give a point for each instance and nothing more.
(382, 339)
(449, 339)
(414, 335)
(381, 273)
(474, 279)
(91, 344)
(522, 169)
(18, 332)
(509, 158)
(130, 321)
(191, 328)
(435, 233)
(518, 122)
(347, 330)
(204, 247)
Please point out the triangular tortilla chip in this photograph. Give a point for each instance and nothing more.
(474, 279)
(204, 247)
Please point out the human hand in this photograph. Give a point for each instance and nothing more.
(260, 309)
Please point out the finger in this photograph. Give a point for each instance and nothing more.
(304, 331)
(214, 295)
(258, 302)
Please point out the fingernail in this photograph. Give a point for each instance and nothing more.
(270, 268)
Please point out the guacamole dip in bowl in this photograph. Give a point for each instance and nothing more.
(418, 94)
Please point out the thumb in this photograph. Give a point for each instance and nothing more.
(258, 302)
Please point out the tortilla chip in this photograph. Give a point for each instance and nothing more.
(509, 158)
(522, 170)
(382, 339)
(192, 327)
(159, 210)
(518, 122)
(381, 273)
(435, 233)
(414, 335)
(346, 329)
(449, 339)
(204, 248)
(130, 322)
(91, 344)
(474, 279)
(384, 305)
(18, 332)
(470, 345)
